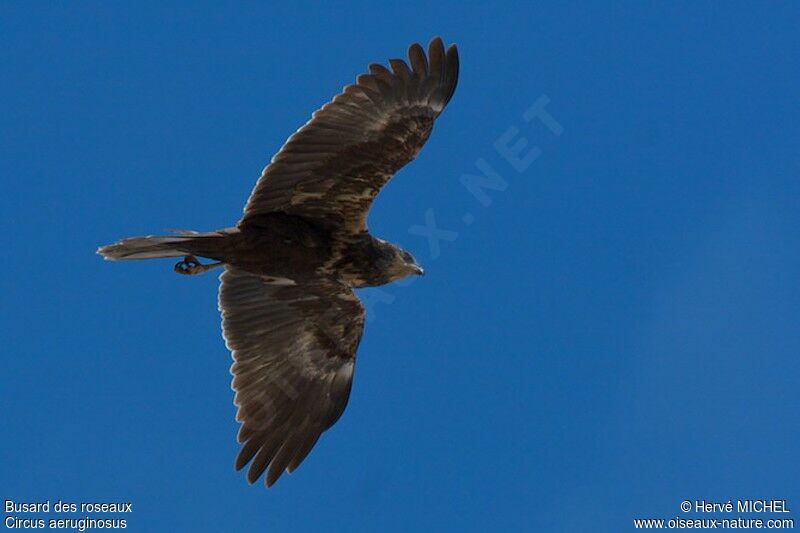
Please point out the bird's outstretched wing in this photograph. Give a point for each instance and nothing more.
(332, 168)
(294, 350)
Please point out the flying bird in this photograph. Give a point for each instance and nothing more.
(289, 314)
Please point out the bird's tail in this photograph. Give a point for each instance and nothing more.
(154, 246)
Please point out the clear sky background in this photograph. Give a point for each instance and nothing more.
(617, 331)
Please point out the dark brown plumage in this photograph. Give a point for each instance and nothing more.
(289, 314)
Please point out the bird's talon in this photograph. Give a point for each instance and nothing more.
(189, 265)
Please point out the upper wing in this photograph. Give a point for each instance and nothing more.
(333, 167)
(294, 351)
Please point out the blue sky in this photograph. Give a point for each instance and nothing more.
(617, 331)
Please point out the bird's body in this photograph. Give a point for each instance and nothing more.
(292, 248)
(289, 314)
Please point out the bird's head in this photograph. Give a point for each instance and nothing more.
(409, 265)
(397, 263)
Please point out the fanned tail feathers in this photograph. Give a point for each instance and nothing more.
(149, 247)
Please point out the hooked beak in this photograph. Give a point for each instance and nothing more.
(418, 270)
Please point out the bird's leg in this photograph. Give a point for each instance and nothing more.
(190, 265)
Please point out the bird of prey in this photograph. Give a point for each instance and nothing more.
(289, 314)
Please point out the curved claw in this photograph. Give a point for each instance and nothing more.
(190, 265)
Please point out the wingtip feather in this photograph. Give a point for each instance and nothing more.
(419, 63)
